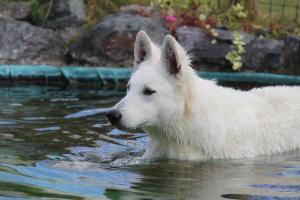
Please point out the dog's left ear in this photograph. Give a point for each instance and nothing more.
(143, 48)
(172, 55)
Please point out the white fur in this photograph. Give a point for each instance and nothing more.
(190, 118)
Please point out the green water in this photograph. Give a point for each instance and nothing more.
(55, 143)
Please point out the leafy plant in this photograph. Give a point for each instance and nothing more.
(233, 17)
(188, 12)
(37, 14)
(96, 9)
(40, 11)
(170, 4)
(235, 55)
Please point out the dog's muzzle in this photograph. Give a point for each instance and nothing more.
(114, 117)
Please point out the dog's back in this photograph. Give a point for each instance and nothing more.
(262, 121)
(280, 118)
(240, 124)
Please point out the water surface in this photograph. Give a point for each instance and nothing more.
(55, 143)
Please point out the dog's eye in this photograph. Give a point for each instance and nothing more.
(148, 91)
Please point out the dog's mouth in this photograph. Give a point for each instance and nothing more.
(128, 129)
(122, 127)
(115, 120)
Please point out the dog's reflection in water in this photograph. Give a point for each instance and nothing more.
(211, 180)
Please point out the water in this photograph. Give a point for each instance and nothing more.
(55, 143)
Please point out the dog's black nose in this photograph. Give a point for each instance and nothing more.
(114, 117)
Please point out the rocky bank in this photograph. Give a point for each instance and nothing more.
(65, 40)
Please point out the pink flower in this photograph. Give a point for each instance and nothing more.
(171, 18)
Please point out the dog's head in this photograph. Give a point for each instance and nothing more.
(156, 91)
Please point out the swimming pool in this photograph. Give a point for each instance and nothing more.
(55, 143)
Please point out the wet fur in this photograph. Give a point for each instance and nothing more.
(190, 118)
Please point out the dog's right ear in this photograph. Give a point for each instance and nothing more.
(142, 48)
(172, 56)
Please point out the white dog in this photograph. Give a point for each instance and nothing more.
(190, 118)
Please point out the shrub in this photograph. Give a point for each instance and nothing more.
(40, 11)
(238, 48)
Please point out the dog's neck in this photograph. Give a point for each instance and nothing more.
(171, 143)
(173, 131)
(177, 134)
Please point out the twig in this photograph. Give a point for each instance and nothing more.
(48, 10)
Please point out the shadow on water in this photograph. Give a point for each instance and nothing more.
(55, 143)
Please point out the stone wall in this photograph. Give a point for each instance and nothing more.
(64, 40)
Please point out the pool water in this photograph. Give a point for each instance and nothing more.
(55, 143)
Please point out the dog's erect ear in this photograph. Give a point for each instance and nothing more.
(142, 48)
(172, 54)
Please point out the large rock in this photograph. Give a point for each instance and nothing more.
(111, 41)
(228, 36)
(199, 45)
(67, 13)
(292, 54)
(17, 10)
(264, 54)
(137, 9)
(260, 54)
(23, 43)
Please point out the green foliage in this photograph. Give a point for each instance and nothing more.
(229, 15)
(37, 14)
(184, 4)
(170, 4)
(40, 11)
(246, 15)
(235, 55)
(96, 9)
(233, 17)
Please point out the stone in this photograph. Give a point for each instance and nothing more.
(23, 43)
(203, 51)
(67, 13)
(63, 8)
(64, 23)
(292, 54)
(260, 54)
(263, 54)
(110, 42)
(16, 10)
(70, 33)
(137, 9)
(225, 35)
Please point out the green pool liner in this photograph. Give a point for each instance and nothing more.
(43, 73)
(4, 72)
(248, 77)
(109, 76)
(81, 74)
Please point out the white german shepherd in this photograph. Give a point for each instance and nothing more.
(189, 118)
